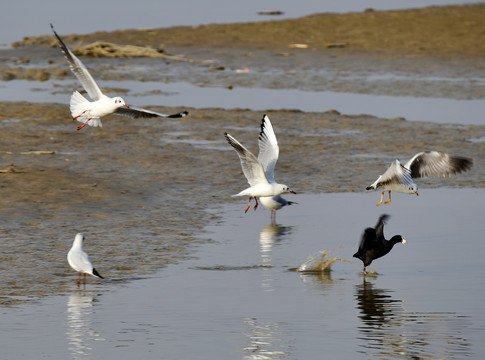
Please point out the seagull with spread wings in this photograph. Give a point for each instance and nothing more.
(91, 112)
(260, 171)
(400, 177)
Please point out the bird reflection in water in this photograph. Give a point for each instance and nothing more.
(271, 235)
(389, 331)
(80, 330)
(266, 340)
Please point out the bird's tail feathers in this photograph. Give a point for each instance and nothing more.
(79, 105)
(96, 273)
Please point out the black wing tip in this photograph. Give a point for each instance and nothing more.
(461, 163)
(179, 115)
(263, 125)
(384, 217)
(96, 273)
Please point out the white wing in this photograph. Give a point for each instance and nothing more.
(434, 163)
(396, 174)
(80, 70)
(136, 113)
(252, 168)
(268, 148)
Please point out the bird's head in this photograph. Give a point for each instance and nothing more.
(119, 102)
(398, 238)
(413, 189)
(285, 189)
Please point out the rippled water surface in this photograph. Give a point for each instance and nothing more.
(240, 299)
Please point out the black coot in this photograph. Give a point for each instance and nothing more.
(373, 245)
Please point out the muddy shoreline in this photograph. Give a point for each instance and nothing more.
(140, 190)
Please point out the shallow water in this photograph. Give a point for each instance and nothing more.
(179, 94)
(238, 299)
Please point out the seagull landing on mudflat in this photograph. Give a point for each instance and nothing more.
(400, 177)
(79, 260)
(260, 171)
(91, 112)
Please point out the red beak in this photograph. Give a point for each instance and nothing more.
(291, 191)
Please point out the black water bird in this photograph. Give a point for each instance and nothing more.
(374, 245)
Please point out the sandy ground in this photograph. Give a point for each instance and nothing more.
(140, 189)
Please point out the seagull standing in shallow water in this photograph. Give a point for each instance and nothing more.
(91, 112)
(79, 260)
(260, 171)
(400, 177)
(274, 203)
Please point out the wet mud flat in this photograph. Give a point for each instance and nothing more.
(443, 43)
(140, 190)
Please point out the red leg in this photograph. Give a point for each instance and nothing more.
(78, 279)
(76, 117)
(255, 206)
(83, 125)
(84, 282)
(249, 204)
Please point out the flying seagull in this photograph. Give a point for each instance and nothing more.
(91, 112)
(400, 177)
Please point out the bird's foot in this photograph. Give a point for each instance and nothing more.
(83, 125)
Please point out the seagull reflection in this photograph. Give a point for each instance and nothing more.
(266, 340)
(389, 331)
(79, 325)
(271, 235)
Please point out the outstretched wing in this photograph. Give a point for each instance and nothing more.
(380, 225)
(137, 113)
(268, 148)
(80, 70)
(434, 163)
(252, 168)
(395, 174)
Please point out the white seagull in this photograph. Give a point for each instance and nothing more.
(274, 203)
(91, 112)
(399, 178)
(260, 171)
(79, 260)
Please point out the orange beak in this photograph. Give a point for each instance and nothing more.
(416, 193)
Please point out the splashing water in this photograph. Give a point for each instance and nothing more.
(319, 262)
